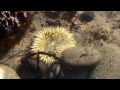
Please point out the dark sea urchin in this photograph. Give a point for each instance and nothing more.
(52, 40)
(13, 23)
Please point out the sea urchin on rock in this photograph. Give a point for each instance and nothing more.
(52, 40)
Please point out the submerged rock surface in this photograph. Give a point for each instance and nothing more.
(7, 73)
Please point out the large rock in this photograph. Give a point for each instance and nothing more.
(80, 61)
(109, 67)
(81, 56)
(7, 73)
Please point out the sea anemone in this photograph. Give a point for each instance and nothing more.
(52, 40)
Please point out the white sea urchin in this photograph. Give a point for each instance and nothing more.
(52, 40)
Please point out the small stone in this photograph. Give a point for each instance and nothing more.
(7, 73)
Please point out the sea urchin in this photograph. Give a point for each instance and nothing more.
(52, 40)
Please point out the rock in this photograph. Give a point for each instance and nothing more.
(109, 67)
(81, 57)
(87, 16)
(53, 71)
(7, 73)
(31, 68)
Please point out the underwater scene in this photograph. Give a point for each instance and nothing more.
(59, 44)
